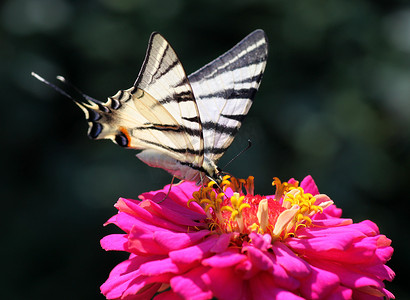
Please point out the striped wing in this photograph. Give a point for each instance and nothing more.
(224, 91)
(158, 115)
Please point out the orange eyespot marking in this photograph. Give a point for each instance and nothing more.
(124, 131)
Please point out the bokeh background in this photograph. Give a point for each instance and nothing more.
(334, 103)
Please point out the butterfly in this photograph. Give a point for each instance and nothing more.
(182, 124)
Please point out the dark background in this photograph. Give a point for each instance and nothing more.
(334, 103)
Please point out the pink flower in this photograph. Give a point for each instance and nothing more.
(201, 244)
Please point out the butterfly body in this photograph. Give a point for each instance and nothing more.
(183, 124)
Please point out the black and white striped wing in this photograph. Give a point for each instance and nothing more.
(224, 90)
(158, 115)
(163, 77)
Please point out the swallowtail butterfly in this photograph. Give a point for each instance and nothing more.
(182, 124)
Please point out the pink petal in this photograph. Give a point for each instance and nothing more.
(309, 185)
(159, 267)
(141, 242)
(294, 265)
(194, 253)
(191, 286)
(262, 242)
(331, 222)
(224, 283)
(173, 213)
(150, 213)
(121, 276)
(349, 277)
(126, 222)
(222, 243)
(267, 262)
(380, 271)
(135, 292)
(259, 259)
(341, 293)
(311, 241)
(167, 295)
(246, 270)
(118, 242)
(178, 197)
(329, 212)
(174, 241)
(230, 257)
(319, 285)
(281, 277)
(263, 287)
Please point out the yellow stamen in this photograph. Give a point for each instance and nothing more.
(282, 188)
(255, 227)
(236, 209)
(305, 202)
(225, 182)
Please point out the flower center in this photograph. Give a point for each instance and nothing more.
(230, 209)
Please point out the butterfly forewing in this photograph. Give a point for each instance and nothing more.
(163, 77)
(224, 90)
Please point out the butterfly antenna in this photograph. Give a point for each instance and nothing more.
(239, 154)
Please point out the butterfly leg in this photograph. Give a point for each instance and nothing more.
(169, 190)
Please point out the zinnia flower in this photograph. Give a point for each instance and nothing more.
(201, 243)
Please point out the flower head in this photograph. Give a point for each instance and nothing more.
(228, 243)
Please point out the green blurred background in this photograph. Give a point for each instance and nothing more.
(334, 103)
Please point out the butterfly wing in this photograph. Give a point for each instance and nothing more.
(224, 90)
(158, 113)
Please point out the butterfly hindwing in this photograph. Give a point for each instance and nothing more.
(224, 90)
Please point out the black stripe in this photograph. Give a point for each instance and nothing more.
(146, 59)
(173, 128)
(176, 150)
(232, 94)
(215, 150)
(255, 56)
(238, 118)
(169, 68)
(220, 128)
(160, 61)
(192, 166)
(184, 81)
(184, 96)
(256, 78)
(193, 119)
